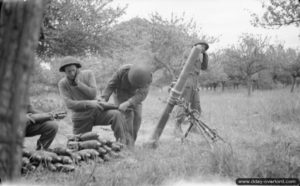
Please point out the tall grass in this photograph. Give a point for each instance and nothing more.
(262, 131)
(274, 160)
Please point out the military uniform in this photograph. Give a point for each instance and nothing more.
(191, 92)
(46, 129)
(84, 117)
(123, 91)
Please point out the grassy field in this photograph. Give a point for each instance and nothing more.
(263, 131)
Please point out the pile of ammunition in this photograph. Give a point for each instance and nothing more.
(83, 147)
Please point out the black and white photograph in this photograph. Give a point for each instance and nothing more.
(149, 92)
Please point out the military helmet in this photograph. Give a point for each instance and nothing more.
(139, 75)
(67, 61)
(202, 43)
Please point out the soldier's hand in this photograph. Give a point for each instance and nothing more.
(73, 83)
(60, 115)
(94, 104)
(77, 82)
(201, 47)
(171, 85)
(124, 106)
(30, 118)
(101, 99)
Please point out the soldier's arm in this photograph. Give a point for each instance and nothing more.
(36, 116)
(75, 105)
(139, 96)
(31, 109)
(90, 90)
(204, 63)
(111, 86)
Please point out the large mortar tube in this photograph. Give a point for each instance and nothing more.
(175, 93)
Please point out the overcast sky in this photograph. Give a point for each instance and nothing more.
(227, 19)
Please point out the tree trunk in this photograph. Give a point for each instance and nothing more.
(223, 86)
(19, 31)
(293, 83)
(249, 86)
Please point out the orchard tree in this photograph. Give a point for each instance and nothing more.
(277, 64)
(133, 41)
(284, 64)
(247, 58)
(281, 13)
(163, 43)
(171, 41)
(20, 24)
(72, 27)
(216, 68)
(293, 65)
(215, 73)
(278, 13)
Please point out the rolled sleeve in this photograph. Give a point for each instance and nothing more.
(75, 105)
(204, 64)
(90, 90)
(139, 96)
(30, 108)
(112, 85)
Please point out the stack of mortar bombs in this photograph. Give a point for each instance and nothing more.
(82, 147)
(57, 159)
(90, 146)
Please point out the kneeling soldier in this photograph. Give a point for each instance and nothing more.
(39, 123)
(78, 90)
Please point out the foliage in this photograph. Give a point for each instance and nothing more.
(79, 28)
(47, 75)
(171, 41)
(71, 27)
(281, 13)
(161, 42)
(293, 65)
(133, 41)
(278, 13)
(284, 64)
(215, 71)
(92, 33)
(248, 57)
(102, 67)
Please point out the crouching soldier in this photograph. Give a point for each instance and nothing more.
(130, 85)
(39, 123)
(78, 90)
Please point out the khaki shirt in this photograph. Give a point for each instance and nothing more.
(192, 81)
(76, 99)
(121, 87)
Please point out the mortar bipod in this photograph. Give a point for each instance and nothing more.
(193, 115)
